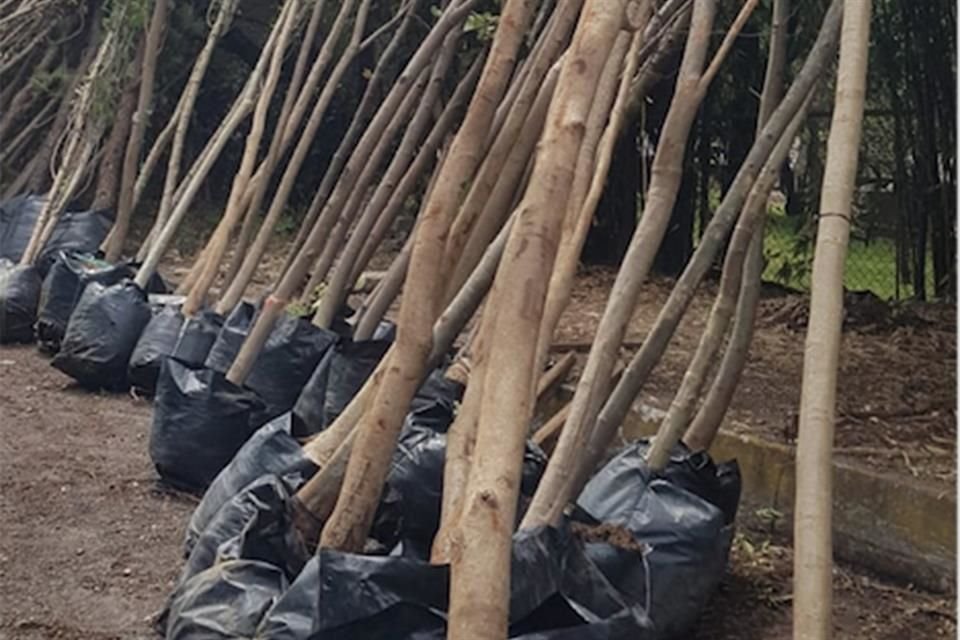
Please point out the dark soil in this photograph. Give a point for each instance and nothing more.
(612, 534)
(897, 381)
(754, 601)
(90, 544)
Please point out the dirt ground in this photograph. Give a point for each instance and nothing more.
(90, 544)
(897, 381)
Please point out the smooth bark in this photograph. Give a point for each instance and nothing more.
(710, 415)
(813, 540)
(379, 428)
(554, 488)
(138, 128)
(820, 56)
(480, 554)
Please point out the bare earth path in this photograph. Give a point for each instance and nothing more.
(90, 545)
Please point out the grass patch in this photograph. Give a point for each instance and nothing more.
(870, 266)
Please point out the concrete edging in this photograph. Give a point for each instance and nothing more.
(889, 523)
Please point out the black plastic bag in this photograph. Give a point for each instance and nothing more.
(230, 338)
(244, 561)
(197, 335)
(102, 333)
(555, 589)
(19, 297)
(157, 342)
(81, 231)
(254, 524)
(18, 216)
(290, 355)
(62, 288)
(409, 512)
(333, 384)
(555, 593)
(272, 450)
(200, 420)
(437, 388)
(688, 536)
(246, 577)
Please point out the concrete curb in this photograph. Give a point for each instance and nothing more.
(888, 523)
(891, 524)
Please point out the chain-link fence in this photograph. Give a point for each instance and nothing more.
(879, 263)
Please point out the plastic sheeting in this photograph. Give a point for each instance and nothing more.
(271, 450)
(75, 230)
(335, 381)
(18, 217)
(232, 334)
(200, 420)
(19, 297)
(246, 577)
(684, 515)
(197, 335)
(157, 342)
(62, 288)
(292, 352)
(256, 585)
(409, 512)
(102, 333)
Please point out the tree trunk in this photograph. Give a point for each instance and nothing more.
(748, 226)
(159, 147)
(515, 124)
(413, 102)
(23, 101)
(551, 494)
(813, 542)
(183, 113)
(480, 569)
(360, 119)
(426, 156)
(336, 293)
(118, 235)
(593, 164)
(488, 205)
(378, 430)
(218, 246)
(255, 252)
(617, 405)
(16, 146)
(108, 171)
(261, 179)
(40, 179)
(188, 188)
(288, 124)
(707, 422)
(294, 275)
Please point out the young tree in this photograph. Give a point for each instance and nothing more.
(378, 430)
(90, 111)
(181, 117)
(480, 568)
(692, 83)
(293, 277)
(819, 58)
(181, 199)
(231, 217)
(151, 51)
(707, 421)
(813, 542)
